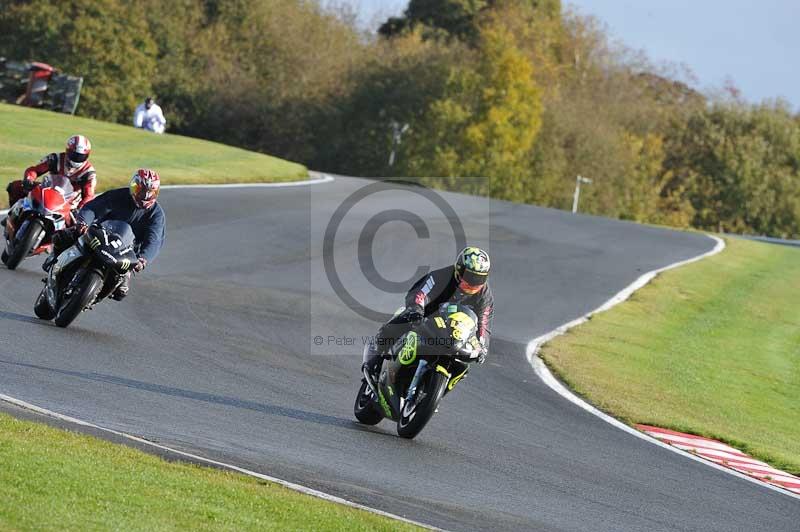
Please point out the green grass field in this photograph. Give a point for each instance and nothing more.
(712, 348)
(27, 135)
(58, 480)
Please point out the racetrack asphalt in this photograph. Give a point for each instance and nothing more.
(212, 354)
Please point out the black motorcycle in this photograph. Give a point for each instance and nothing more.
(426, 363)
(87, 272)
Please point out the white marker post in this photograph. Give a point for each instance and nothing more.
(578, 182)
(397, 137)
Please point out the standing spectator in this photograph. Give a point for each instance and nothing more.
(149, 116)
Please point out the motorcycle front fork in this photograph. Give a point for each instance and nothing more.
(412, 388)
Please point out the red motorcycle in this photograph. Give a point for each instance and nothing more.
(33, 220)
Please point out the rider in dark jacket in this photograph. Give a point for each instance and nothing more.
(137, 205)
(466, 282)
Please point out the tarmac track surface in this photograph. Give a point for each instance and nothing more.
(212, 354)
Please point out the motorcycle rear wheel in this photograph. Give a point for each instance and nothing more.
(365, 409)
(410, 424)
(81, 298)
(24, 247)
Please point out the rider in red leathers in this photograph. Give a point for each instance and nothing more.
(73, 163)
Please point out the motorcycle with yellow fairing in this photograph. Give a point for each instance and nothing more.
(425, 363)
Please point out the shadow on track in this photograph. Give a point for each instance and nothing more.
(4, 315)
(273, 410)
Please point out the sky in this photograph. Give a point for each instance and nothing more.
(753, 43)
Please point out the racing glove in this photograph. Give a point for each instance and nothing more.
(140, 264)
(27, 184)
(414, 314)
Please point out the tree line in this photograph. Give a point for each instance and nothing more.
(521, 92)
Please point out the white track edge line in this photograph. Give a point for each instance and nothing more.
(285, 483)
(323, 178)
(543, 372)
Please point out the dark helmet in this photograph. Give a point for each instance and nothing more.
(472, 270)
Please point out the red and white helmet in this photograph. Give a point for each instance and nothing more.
(78, 150)
(144, 187)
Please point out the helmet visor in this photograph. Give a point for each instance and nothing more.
(471, 282)
(143, 195)
(77, 158)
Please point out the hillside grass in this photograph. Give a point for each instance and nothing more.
(27, 135)
(52, 479)
(712, 348)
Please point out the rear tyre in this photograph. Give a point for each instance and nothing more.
(42, 307)
(23, 247)
(413, 419)
(81, 298)
(365, 409)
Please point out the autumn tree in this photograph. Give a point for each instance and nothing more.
(458, 18)
(105, 41)
(739, 166)
(486, 122)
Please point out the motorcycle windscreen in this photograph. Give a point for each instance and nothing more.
(458, 325)
(61, 183)
(123, 232)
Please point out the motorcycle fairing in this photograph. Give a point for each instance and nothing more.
(112, 244)
(66, 259)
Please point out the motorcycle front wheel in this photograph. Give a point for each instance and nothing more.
(81, 298)
(24, 246)
(414, 417)
(365, 409)
(42, 307)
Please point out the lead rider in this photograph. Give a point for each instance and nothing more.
(466, 282)
(73, 163)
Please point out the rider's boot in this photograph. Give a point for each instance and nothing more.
(122, 290)
(61, 241)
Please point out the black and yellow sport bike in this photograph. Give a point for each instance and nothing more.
(426, 363)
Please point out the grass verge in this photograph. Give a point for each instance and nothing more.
(27, 135)
(712, 348)
(52, 479)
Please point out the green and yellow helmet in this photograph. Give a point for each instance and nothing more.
(472, 270)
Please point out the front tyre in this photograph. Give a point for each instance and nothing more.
(82, 297)
(42, 307)
(23, 247)
(365, 409)
(413, 418)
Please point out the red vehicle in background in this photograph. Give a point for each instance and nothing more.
(33, 220)
(40, 74)
(39, 85)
